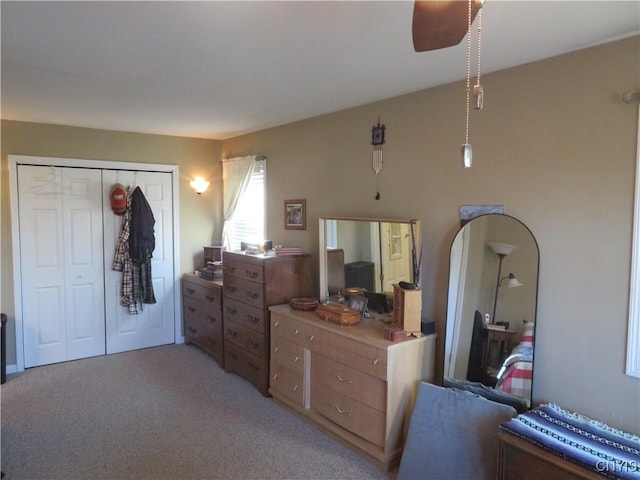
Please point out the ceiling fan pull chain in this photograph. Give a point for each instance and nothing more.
(467, 150)
(478, 91)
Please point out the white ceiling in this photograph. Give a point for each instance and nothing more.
(218, 69)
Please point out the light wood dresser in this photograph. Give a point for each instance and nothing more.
(349, 381)
(202, 309)
(251, 283)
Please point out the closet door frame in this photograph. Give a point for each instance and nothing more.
(14, 161)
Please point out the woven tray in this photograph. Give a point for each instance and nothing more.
(303, 304)
(339, 314)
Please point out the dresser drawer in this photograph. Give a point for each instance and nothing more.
(205, 338)
(198, 312)
(244, 291)
(289, 329)
(238, 360)
(245, 315)
(287, 354)
(245, 338)
(207, 295)
(246, 271)
(363, 388)
(357, 354)
(286, 382)
(356, 417)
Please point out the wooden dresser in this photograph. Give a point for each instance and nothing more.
(251, 283)
(349, 381)
(202, 308)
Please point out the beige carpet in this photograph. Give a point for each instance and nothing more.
(161, 413)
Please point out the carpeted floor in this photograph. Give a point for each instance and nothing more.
(167, 412)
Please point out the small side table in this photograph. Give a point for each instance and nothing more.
(496, 344)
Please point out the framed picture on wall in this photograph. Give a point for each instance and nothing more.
(469, 212)
(295, 214)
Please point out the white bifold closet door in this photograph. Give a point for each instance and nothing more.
(154, 325)
(60, 212)
(70, 295)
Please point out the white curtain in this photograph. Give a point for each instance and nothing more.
(236, 173)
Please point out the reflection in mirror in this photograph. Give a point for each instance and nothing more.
(491, 315)
(364, 255)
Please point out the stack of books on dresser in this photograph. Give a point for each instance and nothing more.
(288, 251)
(213, 271)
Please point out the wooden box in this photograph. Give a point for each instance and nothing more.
(338, 313)
(407, 308)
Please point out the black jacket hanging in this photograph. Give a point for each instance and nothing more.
(141, 237)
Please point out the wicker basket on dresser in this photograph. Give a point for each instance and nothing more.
(252, 283)
(202, 308)
(349, 381)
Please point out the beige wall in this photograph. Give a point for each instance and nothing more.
(555, 144)
(199, 215)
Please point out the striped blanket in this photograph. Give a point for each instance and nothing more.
(593, 445)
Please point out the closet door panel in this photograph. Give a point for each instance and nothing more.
(62, 273)
(154, 324)
(84, 266)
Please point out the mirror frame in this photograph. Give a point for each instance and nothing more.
(322, 245)
(449, 323)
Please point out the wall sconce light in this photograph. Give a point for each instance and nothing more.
(199, 185)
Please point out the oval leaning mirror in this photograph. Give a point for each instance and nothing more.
(491, 314)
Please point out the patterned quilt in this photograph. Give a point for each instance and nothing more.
(593, 445)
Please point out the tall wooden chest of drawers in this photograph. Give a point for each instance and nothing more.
(349, 381)
(202, 308)
(251, 283)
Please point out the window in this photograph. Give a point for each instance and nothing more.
(246, 223)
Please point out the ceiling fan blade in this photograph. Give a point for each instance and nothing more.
(440, 24)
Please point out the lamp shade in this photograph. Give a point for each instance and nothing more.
(512, 281)
(502, 248)
(199, 184)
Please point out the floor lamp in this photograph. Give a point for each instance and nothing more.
(502, 250)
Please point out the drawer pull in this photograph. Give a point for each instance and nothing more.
(296, 359)
(251, 274)
(232, 289)
(231, 311)
(253, 344)
(253, 295)
(276, 349)
(375, 361)
(276, 324)
(296, 331)
(253, 319)
(342, 379)
(295, 388)
(342, 412)
(275, 376)
(232, 333)
(191, 291)
(312, 338)
(230, 269)
(253, 366)
(192, 309)
(191, 329)
(210, 298)
(211, 319)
